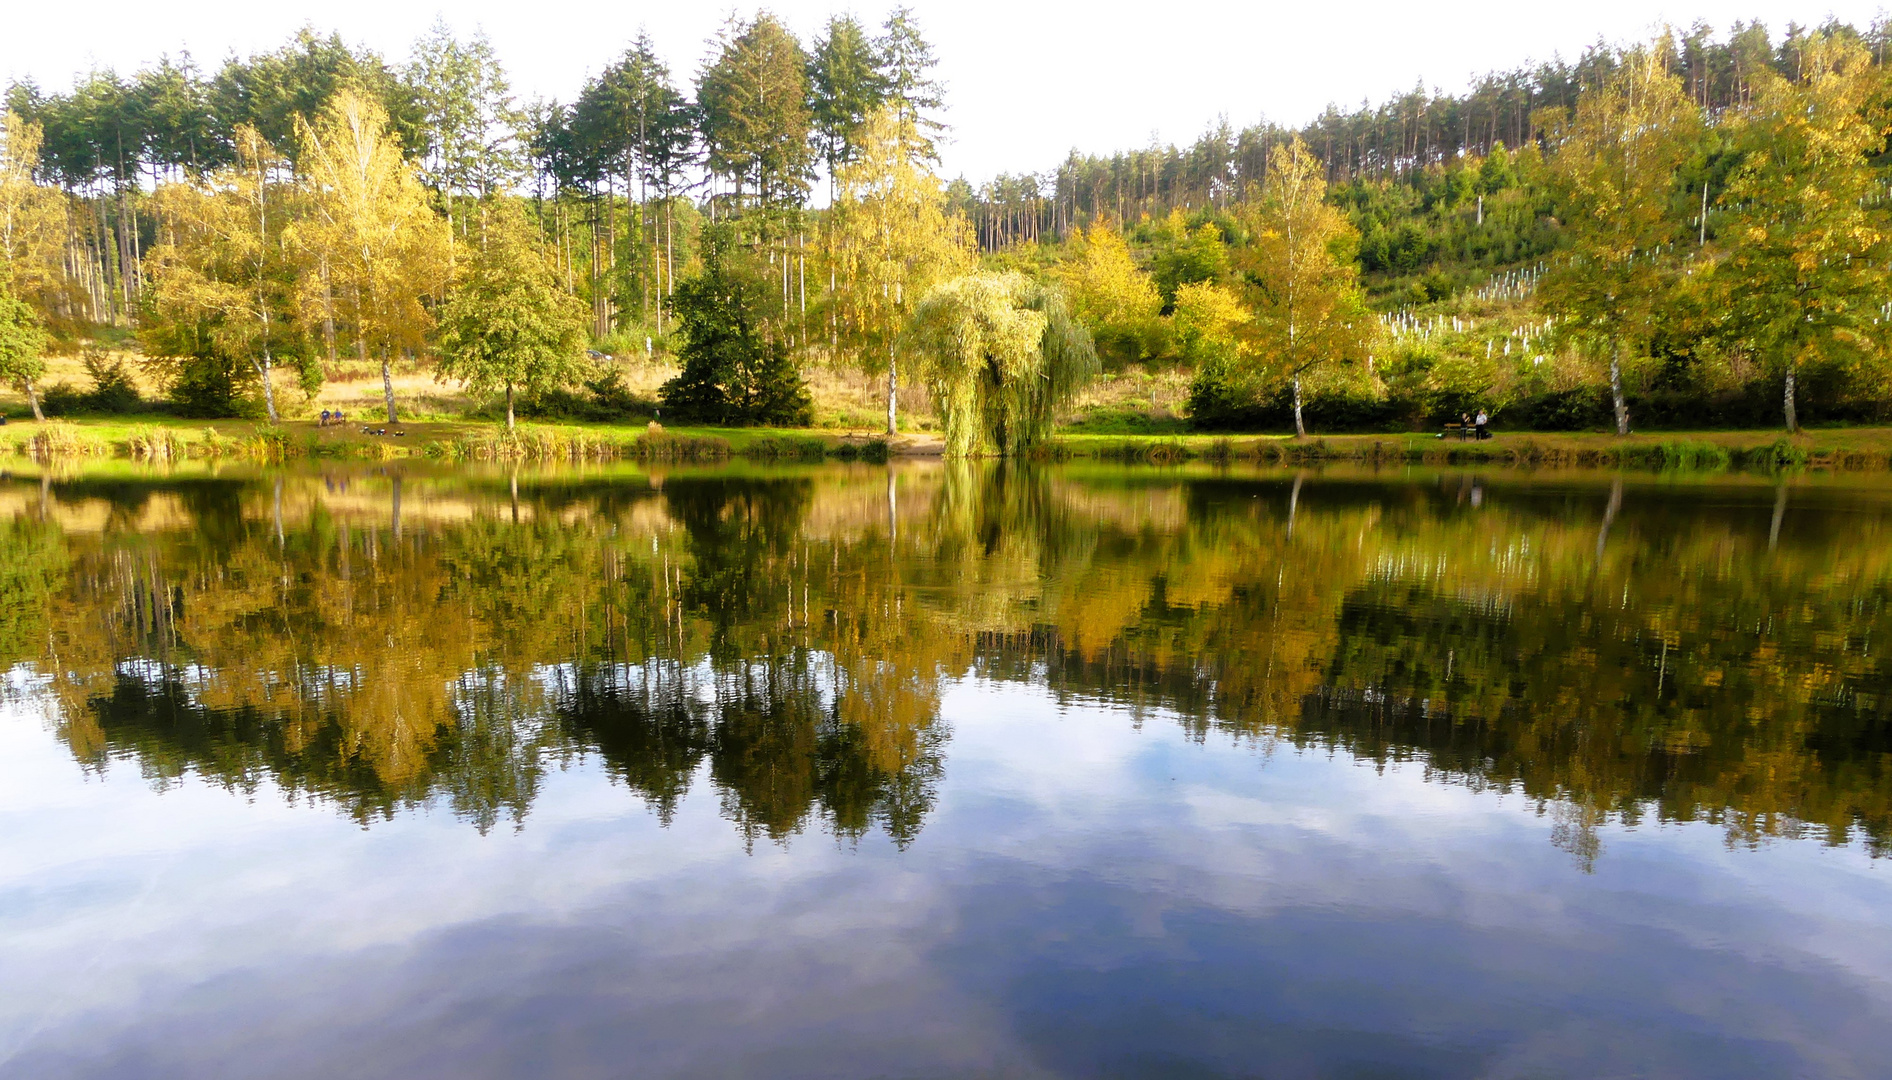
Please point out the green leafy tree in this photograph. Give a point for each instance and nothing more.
(1186, 256)
(1112, 294)
(223, 270)
(1000, 353)
(734, 370)
(506, 323)
(22, 343)
(1614, 174)
(1804, 272)
(1300, 279)
(889, 239)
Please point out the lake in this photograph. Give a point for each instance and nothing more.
(944, 770)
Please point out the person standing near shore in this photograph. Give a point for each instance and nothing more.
(1482, 420)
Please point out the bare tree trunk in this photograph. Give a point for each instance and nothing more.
(387, 385)
(1300, 428)
(509, 420)
(263, 369)
(1793, 417)
(32, 398)
(1616, 390)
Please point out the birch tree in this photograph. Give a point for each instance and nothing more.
(1807, 238)
(222, 264)
(1614, 176)
(33, 222)
(1299, 278)
(372, 247)
(890, 240)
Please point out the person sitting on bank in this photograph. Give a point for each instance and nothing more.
(324, 421)
(1482, 420)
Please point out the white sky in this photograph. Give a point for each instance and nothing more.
(1026, 81)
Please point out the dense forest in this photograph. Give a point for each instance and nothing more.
(1689, 231)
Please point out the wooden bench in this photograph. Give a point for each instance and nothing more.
(1453, 429)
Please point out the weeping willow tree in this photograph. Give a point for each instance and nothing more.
(999, 353)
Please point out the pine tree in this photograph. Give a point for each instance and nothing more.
(469, 121)
(755, 121)
(734, 371)
(847, 86)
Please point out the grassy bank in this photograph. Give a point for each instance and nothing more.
(164, 439)
(161, 439)
(1852, 448)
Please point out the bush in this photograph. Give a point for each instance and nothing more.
(873, 451)
(786, 448)
(112, 388)
(601, 398)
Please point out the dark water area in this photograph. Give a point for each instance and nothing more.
(938, 770)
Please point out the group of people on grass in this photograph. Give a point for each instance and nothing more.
(330, 417)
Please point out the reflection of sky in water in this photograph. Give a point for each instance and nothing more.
(1088, 897)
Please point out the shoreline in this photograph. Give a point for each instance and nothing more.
(159, 439)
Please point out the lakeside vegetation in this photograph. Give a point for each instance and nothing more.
(1684, 234)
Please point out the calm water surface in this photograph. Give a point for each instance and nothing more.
(941, 771)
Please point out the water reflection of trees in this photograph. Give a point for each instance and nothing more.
(785, 638)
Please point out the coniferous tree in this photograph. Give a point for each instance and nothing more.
(734, 370)
(469, 123)
(847, 86)
(753, 108)
(906, 64)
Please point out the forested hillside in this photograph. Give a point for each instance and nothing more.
(1689, 231)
